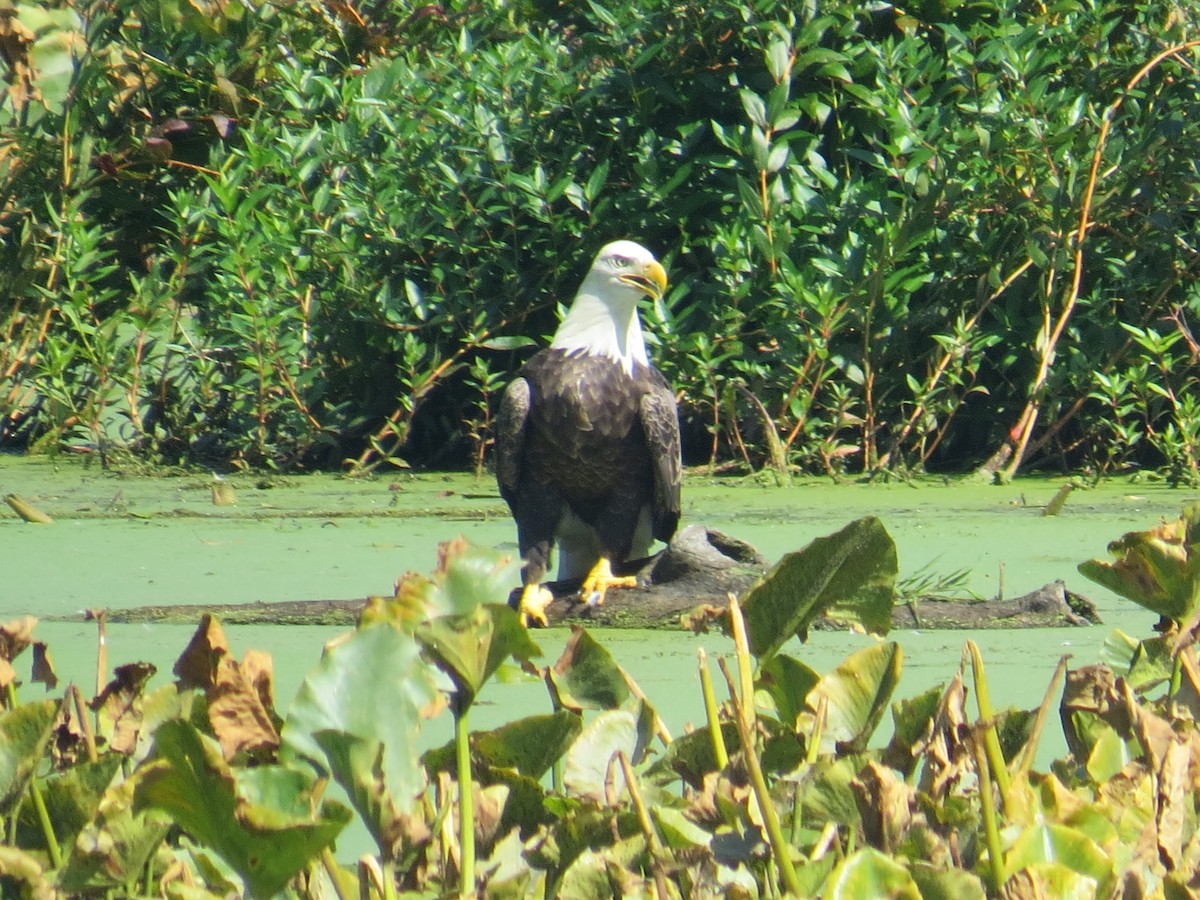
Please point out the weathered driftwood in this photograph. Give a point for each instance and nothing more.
(700, 567)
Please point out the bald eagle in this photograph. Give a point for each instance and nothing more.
(587, 439)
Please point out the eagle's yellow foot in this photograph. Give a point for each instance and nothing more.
(534, 600)
(600, 580)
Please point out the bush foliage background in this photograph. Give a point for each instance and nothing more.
(294, 234)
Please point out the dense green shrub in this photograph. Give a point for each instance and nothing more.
(286, 234)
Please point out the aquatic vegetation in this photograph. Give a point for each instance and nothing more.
(200, 788)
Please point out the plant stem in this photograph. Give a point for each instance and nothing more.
(741, 647)
(991, 827)
(780, 848)
(466, 803)
(653, 843)
(987, 721)
(39, 803)
(720, 753)
(743, 716)
(1024, 760)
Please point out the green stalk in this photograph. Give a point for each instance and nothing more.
(780, 848)
(741, 647)
(743, 717)
(39, 803)
(720, 753)
(1024, 760)
(336, 876)
(991, 740)
(466, 803)
(991, 827)
(556, 770)
(654, 844)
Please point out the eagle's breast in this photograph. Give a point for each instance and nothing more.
(585, 434)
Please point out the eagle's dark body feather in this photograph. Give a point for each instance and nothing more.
(580, 437)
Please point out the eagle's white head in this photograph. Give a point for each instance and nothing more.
(603, 318)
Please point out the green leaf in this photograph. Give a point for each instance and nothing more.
(857, 694)
(376, 667)
(586, 765)
(24, 732)
(260, 821)
(1060, 844)
(507, 342)
(849, 575)
(471, 646)
(73, 794)
(868, 873)
(112, 848)
(788, 682)
(586, 676)
(529, 746)
(1108, 755)
(754, 106)
(356, 763)
(946, 884)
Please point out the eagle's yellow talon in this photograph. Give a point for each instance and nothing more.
(534, 600)
(600, 581)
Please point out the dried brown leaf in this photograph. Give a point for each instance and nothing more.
(1172, 803)
(119, 705)
(43, 666)
(8, 675)
(197, 665)
(1185, 702)
(1024, 885)
(885, 803)
(15, 636)
(946, 746)
(239, 718)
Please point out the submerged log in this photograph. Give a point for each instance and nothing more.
(701, 566)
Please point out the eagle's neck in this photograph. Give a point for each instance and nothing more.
(603, 327)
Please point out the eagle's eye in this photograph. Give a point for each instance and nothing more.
(621, 262)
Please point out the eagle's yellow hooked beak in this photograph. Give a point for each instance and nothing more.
(651, 280)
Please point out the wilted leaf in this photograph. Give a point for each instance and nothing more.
(849, 575)
(15, 636)
(238, 707)
(1158, 569)
(43, 667)
(119, 706)
(1048, 880)
(21, 868)
(197, 665)
(1174, 803)
(946, 749)
(885, 806)
(356, 763)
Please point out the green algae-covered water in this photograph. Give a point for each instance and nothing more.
(123, 541)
